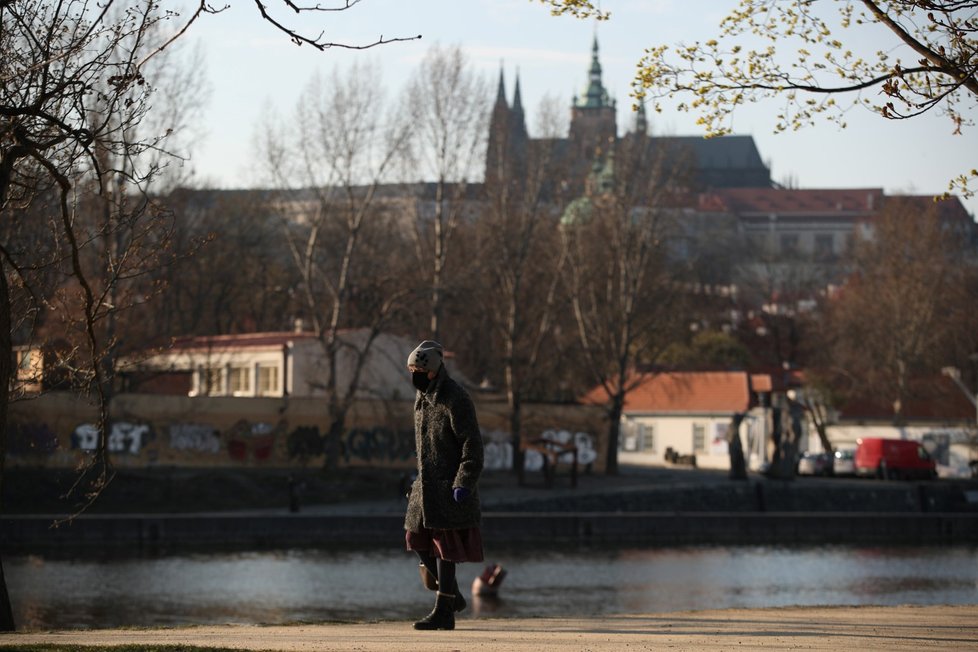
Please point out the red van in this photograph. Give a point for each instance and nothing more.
(893, 459)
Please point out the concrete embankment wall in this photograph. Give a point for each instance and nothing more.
(836, 495)
(756, 512)
(500, 529)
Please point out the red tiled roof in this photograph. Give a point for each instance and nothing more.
(784, 200)
(239, 340)
(761, 383)
(700, 391)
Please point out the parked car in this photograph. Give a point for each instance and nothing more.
(815, 464)
(893, 459)
(844, 462)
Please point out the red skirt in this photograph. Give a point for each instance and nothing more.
(450, 545)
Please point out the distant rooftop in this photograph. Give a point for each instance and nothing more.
(684, 392)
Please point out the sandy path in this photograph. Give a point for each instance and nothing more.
(820, 628)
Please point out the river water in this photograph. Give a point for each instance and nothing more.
(287, 586)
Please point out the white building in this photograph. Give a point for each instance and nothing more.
(689, 413)
(277, 364)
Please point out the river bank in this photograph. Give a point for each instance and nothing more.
(812, 628)
(651, 506)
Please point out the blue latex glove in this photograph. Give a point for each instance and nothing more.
(460, 494)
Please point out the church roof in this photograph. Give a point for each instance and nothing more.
(724, 152)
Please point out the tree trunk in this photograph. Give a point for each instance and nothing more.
(614, 432)
(332, 446)
(516, 433)
(6, 369)
(818, 420)
(738, 464)
(787, 429)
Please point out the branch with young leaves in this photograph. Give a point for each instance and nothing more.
(576, 8)
(811, 63)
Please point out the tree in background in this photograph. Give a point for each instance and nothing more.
(904, 309)
(624, 297)
(813, 66)
(232, 271)
(519, 265)
(328, 163)
(75, 80)
(76, 86)
(446, 101)
(707, 350)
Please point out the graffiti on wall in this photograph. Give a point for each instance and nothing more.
(304, 443)
(205, 437)
(196, 437)
(379, 444)
(253, 440)
(126, 438)
(499, 449)
(31, 439)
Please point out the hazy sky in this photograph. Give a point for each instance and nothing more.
(251, 66)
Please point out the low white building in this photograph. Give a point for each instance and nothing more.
(277, 364)
(689, 413)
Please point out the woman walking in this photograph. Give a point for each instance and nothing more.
(443, 512)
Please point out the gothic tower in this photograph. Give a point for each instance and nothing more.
(593, 127)
(498, 138)
(506, 156)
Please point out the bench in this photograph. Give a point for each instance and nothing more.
(552, 451)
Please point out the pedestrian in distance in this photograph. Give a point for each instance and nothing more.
(442, 523)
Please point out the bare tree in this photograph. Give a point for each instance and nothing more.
(625, 298)
(520, 263)
(75, 77)
(232, 270)
(899, 314)
(446, 101)
(72, 95)
(329, 166)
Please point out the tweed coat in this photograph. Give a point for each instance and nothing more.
(449, 448)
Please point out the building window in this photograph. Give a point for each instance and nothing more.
(699, 438)
(824, 246)
(240, 381)
(267, 380)
(24, 361)
(646, 434)
(628, 440)
(29, 362)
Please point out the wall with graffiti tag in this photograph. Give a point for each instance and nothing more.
(59, 430)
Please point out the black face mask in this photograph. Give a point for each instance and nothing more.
(420, 380)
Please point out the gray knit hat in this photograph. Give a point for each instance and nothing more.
(427, 356)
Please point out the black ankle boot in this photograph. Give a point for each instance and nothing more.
(442, 616)
(431, 583)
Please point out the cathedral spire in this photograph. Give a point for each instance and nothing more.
(501, 92)
(595, 96)
(517, 99)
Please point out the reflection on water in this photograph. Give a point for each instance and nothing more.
(330, 585)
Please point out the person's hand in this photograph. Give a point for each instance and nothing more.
(460, 494)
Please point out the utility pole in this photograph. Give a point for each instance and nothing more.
(955, 374)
